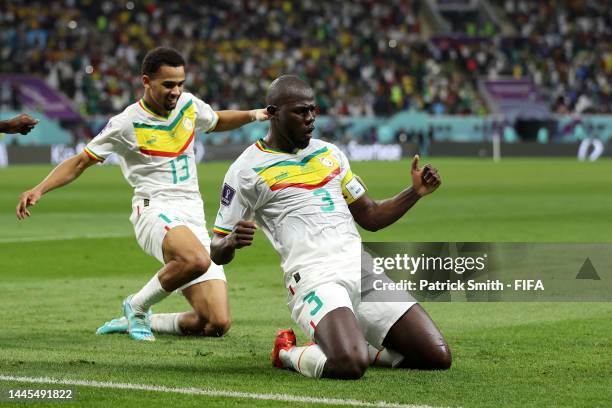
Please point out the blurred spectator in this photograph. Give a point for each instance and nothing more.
(565, 47)
(363, 57)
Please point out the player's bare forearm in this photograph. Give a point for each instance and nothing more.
(64, 173)
(223, 248)
(5, 126)
(374, 215)
(233, 119)
(221, 252)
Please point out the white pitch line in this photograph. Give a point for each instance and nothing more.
(64, 237)
(210, 392)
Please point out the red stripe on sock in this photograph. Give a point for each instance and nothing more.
(376, 358)
(300, 359)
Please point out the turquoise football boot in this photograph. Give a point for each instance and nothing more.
(118, 325)
(139, 324)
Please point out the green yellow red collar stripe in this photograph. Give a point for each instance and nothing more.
(165, 127)
(148, 109)
(261, 145)
(221, 230)
(93, 155)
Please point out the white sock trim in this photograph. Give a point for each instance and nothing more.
(384, 357)
(307, 360)
(166, 323)
(150, 294)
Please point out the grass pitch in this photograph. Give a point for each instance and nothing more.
(65, 271)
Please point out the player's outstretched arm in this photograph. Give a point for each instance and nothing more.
(19, 124)
(232, 119)
(61, 175)
(374, 215)
(223, 248)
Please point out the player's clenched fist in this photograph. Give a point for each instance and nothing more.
(242, 234)
(425, 180)
(19, 124)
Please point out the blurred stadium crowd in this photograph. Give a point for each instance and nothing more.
(566, 47)
(364, 57)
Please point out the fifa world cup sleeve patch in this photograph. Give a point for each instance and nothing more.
(227, 195)
(352, 187)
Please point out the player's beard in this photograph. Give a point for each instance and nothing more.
(302, 144)
(304, 141)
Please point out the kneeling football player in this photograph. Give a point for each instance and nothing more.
(305, 197)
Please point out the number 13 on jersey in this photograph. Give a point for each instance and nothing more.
(182, 164)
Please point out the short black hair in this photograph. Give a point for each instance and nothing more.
(161, 56)
(285, 88)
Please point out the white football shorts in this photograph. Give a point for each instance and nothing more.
(153, 220)
(309, 303)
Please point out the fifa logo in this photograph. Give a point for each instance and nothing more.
(227, 195)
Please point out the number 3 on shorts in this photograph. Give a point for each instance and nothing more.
(312, 298)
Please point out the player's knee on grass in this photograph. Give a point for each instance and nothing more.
(349, 365)
(215, 326)
(416, 337)
(434, 357)
(440, 357)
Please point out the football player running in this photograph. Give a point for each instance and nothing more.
(153, 139)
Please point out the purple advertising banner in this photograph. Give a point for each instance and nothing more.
(35, 94)
(516, 98)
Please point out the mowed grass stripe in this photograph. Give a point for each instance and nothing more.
(209, 392)
(66, 237)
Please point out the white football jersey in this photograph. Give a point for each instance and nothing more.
(156, 153)
(301, 203)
